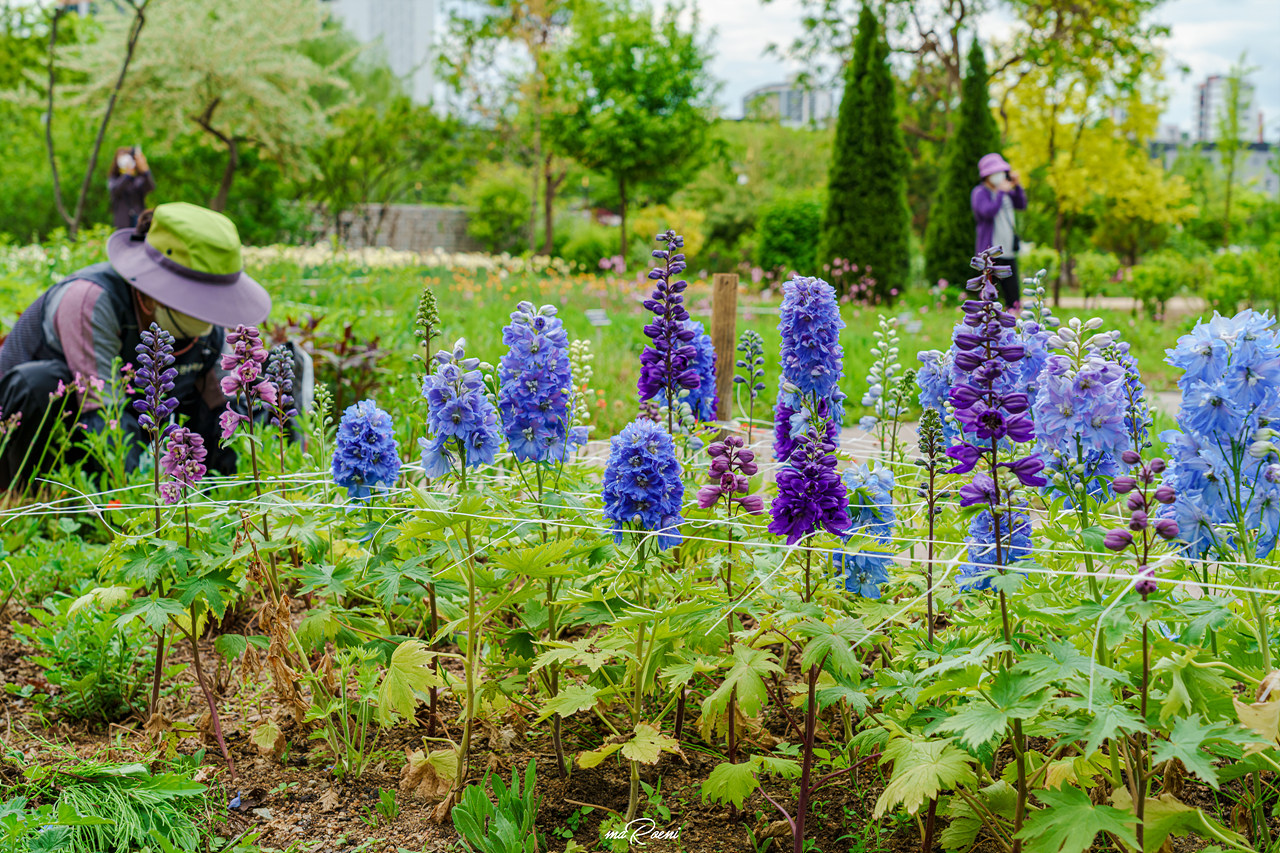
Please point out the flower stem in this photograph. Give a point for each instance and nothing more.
(473, 644)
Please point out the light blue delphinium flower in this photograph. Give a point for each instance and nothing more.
(366, 456)
(1221, 460)
(810, 359)
(871, 511)
(536, 387)
(460, 416)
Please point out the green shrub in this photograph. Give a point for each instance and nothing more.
(787, 234)
(1094, 272)
(98, 667)
(1160, 277)
(498, 201)
(587, 243)
(1238, 277)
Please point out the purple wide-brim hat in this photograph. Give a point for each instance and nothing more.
(223, 299)
(992, 163)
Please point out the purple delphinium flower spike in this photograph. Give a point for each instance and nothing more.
(990, 404)
(731, 469)
(667, 363)
(182, 462)
(246, 382)
(536, 394)
(154, 379)
(642, 484)
(811, 358)
(811, 495)
(280, 373)
(1141, 535)
(366, 455)
(460, 417)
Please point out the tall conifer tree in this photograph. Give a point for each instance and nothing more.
(949, 237)
(867, 221)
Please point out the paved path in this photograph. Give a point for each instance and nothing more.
(1178, 306)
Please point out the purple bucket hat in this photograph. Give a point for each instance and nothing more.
(992, 163)
(189, 260)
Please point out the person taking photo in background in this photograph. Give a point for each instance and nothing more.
(129, 181)
(994, 201)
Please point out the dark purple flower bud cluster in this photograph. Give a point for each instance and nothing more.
(280, 374)
(983, 401)
(732, 467)
(1144, 499)
(154, 380)
(990, 404)
(246, 380)
(667, 363)
(183, 462)
(811, 495)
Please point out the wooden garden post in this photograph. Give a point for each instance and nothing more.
(724, 337)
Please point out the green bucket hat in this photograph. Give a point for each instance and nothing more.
(189, 259)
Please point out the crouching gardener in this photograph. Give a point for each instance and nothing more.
(180, 268)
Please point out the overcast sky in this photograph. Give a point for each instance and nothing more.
(1207, 36)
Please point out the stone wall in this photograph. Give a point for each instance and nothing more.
(409, 227)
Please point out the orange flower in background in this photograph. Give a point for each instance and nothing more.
(114, 503)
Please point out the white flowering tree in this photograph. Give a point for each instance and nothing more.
(233, 69)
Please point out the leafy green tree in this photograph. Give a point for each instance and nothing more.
(1229, 142)
(377, 156)
(518, 100)
(636, 97)
(234, 69)
(867, 221)
(949, 239)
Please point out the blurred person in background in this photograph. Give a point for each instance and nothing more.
(994, 201)
(129, 181)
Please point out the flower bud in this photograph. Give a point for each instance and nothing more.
(1130, 457)
(1136, 501)
(1146, 582)
(1156, 466)
(1166, 494)
(1166, 528)
(1124, 484)
(1118, 539)
(1138, 521)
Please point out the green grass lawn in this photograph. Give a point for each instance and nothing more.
(380, 302)
(475, 307)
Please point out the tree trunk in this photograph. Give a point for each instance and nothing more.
(135, 32)
(205, 120)
(1226, 214)
(1060, 246)
(48, 129)
(533, 208)
(622, 230)
(551, 186)
(219, 202)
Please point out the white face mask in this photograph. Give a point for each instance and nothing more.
(181, 326)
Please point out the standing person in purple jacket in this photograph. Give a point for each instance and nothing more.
(993, 202)
(129, 182)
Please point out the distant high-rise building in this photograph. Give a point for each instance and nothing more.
(1211, 103)
(790, 104)
(406, 31)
